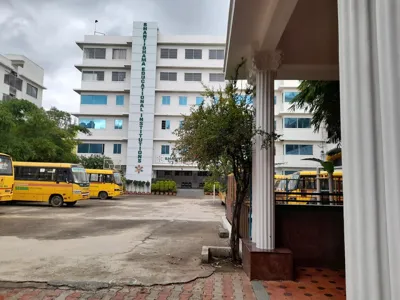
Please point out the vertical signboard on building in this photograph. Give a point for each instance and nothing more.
(142, 101)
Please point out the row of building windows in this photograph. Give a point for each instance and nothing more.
(97, 148)
(297, 122)
(287, 96)
(290, 149)
(99, 76)
(100, 53)
(166, 100)
(99, 123)
(166, 124)
(15, 82)
(173, 76)
(101, 99)
(165, 53)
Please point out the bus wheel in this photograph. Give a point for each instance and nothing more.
(70, 203)
(103, 195)
(56, 201)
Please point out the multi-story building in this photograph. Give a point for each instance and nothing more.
(21, 78)
(135, 91)
(298, 139)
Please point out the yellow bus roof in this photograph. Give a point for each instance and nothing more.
(101, 171)
(314, 173)
(280, 176)
(3, 154)
(45, 164)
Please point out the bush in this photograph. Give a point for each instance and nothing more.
(209, 187)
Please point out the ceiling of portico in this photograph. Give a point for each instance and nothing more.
(306, 31)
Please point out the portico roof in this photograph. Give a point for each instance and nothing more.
(305, 31)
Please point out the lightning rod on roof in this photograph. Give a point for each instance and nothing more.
(95, 24)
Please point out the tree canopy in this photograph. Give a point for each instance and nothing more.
(220, 132)
(95, 161)
(29, 133)
(322, 100)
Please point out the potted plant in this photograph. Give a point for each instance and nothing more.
(162, 187)
(128, 184)
(147, 187)
(135, 184)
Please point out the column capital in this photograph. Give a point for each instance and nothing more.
(265, 61)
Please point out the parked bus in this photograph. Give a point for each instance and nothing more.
(55, 183)
(6, 177)
(278, 179)
(299, 187)
(104, 184)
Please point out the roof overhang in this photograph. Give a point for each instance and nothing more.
(82, 44)
(80, 91)
(304, 31)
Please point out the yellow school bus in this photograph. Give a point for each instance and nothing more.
(6, 177)
(304, 183)
(278, 179)
(55, 183)
(104, 184)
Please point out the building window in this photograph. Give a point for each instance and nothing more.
(274, 99)
(217, 77)
(167, 173)
(118, 124)
(274, 124)
(92, 123)
(299, 149)
(169, 53)
(94, 99)
(180, 124)
(165, 124)
(93, 75)
(297, 122)
(117, 148)
(31, 90)
(288, 96)
(289, 172)
(182, 100)
(216, 54)
(118, 76)
(199, 100)
(165, 149)
(120, 100)
(6, 97)
(119, 54)
(91, 148)
(166, 100)
(13, 81)
(193, 54)
(95, 53)
(168, 76)
(192, 76)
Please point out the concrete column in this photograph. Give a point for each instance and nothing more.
(369, 53)
(263, 228)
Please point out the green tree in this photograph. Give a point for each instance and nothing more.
(29, 133)
(95, 161)
(322, 100)
(223, 130)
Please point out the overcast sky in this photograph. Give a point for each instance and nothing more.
(46, 30)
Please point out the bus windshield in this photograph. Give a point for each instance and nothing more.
(5, 166)
(117, 178)
(79, 175)
(293, 182)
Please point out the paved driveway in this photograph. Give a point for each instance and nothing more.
(137, 240)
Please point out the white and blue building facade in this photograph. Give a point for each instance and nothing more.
(136, 89)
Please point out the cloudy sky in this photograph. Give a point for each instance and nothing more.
(46, 31)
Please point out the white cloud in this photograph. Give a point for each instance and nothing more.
(46, 31)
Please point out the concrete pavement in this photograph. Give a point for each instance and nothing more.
(146, 240)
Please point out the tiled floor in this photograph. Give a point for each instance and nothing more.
(310, 283)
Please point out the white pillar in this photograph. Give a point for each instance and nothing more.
(266, 64)
(369, 32)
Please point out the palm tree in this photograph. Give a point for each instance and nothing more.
(329, 168)
(322, 100)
